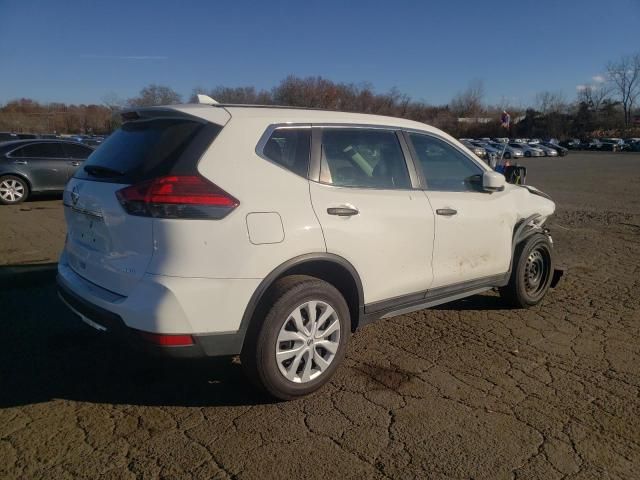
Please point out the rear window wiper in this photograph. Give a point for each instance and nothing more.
(100, 171)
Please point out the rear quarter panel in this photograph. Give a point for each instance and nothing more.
(223, 248)
(7, 168)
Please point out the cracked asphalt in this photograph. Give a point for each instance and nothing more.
(466, 390)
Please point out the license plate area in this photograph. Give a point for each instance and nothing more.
(89, 230)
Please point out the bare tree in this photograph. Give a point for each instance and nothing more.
(550, 102)
(625, 78)
(470, 101)
(594, 95)
(113, 101)
(155, 95)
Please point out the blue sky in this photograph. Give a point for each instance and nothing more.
(78, 51)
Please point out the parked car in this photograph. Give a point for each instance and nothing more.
(32, 166)
(274, 233)
(594, 144)
(93, 141)
(528, 150)
(493, 154)
(612, 144)
(548, 151)
(617, 141)
(562, 151)
(7, 137)
(480, 152)
(604, 145)
(627, 144)
(509, 151)
(573, 144)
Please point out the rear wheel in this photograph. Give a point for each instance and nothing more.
(298, 345)
(531, 273)
(507, 155)
(13, 190)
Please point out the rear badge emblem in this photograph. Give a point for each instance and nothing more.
(75, 196)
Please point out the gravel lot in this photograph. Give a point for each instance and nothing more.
(469, 390)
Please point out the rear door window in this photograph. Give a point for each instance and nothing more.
(289, 148)
(40, 150)
(355, 157)
(146, 149)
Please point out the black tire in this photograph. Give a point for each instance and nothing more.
(22, 189)
(532, 272)
(507, 155)
(527, 154)
(259, 350)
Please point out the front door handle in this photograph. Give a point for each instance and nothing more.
(75, 164)
(447, 212)
(19, 162)
(343, 211)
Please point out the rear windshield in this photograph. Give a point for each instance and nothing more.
(146, 149)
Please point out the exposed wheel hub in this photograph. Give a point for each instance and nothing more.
(536, 272)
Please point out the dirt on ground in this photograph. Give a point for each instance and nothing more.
(466, 390)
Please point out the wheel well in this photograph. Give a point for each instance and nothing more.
(331, 272)
(19, 175)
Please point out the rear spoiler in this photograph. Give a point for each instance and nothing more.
(206, 99)
(148, 113)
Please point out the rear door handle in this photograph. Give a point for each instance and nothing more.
(19, 162)
(343, 211)
(75, 164)
(447, 212)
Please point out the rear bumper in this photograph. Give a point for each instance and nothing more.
(111, 324)
(207, 345)
(165, 306)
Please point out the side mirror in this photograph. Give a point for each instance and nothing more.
(493, 182)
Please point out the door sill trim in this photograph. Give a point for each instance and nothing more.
(430, 298)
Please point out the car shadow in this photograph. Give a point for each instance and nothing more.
(34, 198)
(477, 302)
(49, 353)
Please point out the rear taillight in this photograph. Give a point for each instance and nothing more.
(177, 196)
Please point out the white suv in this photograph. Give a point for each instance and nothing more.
(273, 233)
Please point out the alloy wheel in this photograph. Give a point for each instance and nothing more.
(11, 190)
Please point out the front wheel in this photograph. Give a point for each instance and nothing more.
(531, 274)
(296, 348)
(13, 190)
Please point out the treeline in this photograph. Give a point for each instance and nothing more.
(26, 115)
(319, 92)
(606, 107)
(466, 114)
